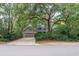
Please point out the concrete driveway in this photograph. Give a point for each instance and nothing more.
(23, 41)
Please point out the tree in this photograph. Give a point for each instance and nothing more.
(45, 12)
(70, 14)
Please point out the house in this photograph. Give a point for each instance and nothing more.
(30, 31)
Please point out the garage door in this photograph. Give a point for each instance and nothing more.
(29, 35)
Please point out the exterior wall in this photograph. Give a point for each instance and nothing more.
(31, 32)
(29, 35)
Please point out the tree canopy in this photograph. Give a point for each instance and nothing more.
(15, 17)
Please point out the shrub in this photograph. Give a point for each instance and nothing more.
(49, 36)
(40, 36)
(74, 37)
(53, 36)
(9, 36)
(61, 29)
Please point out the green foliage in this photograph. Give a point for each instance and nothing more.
(40, 36)
(19, 16)
(61, 29)
(50, 36)
(55, 36)
(9, 36)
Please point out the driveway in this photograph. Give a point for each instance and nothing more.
(23, 41)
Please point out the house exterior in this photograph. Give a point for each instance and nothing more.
(29, 31)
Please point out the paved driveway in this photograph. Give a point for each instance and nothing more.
(23, 41)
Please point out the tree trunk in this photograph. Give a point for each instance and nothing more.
(49, 29)
(10, 24)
